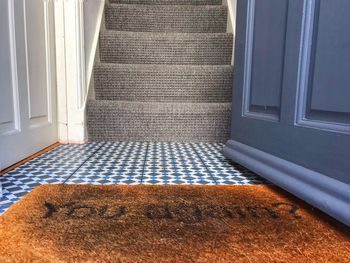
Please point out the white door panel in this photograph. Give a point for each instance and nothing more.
(27, 83)
(37, 48)
(9, 101)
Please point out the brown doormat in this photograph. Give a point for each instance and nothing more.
(71, 223)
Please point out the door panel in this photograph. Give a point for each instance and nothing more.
(291, 98)
(27, 83)
(328, 90)
(285, 58)
(9, 93)
(268, 45)
(37, 61)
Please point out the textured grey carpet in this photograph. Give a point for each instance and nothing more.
(165, 73)
(156, 121)
(166, 48)
(168, 2)
(166, 18)
(163, 83)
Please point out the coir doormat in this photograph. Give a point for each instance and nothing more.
(84, 223)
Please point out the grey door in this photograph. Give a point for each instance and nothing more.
(291, 98)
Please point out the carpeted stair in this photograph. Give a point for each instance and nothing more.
(166, 48)
(170, 18)
(164, 74)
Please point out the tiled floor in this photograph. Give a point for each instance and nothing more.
(126, 163)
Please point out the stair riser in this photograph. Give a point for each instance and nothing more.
(185, 49)
(163, 84)
(109, 123)
(162, 18)
(168, 2)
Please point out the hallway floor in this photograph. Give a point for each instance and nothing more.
(126, 163)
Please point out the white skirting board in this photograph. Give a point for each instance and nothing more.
(327, 194)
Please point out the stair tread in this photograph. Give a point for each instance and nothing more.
(167, 7)
(173, 35)
(166, 18)
(161, 107)
(169, 2)
(161, 66)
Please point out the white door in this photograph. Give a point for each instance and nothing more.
(27, 79)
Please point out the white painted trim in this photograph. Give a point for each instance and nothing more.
(74, 69)
(14, 75)
(91, 58)
(329, 195)
(70, 56)
(74, 66)
(231, 21)
(48, 61)
(62, 104)
(80, 52)
(231, 16)
(26, 56)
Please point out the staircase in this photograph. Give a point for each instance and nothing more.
(165, 73)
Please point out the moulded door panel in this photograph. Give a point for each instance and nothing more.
(267, 47)
(28, 92)
(302, 68)
(291, 103)
(8, 93)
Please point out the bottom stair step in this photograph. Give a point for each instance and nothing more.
(149, 121)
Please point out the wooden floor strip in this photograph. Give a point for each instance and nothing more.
(47, 149)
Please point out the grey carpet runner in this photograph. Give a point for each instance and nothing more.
(164, 73)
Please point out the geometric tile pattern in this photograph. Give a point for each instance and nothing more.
(131, 163)
(113, 163)
(225, 171)
(174, 163)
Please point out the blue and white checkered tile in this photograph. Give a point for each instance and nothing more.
(223, 170)
(174, 163)
(37, 173)
(53, 167)
(69, 153)
(113, 163)
(126, 163)
(11, 193)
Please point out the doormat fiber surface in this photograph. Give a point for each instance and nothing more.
(86, 223)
